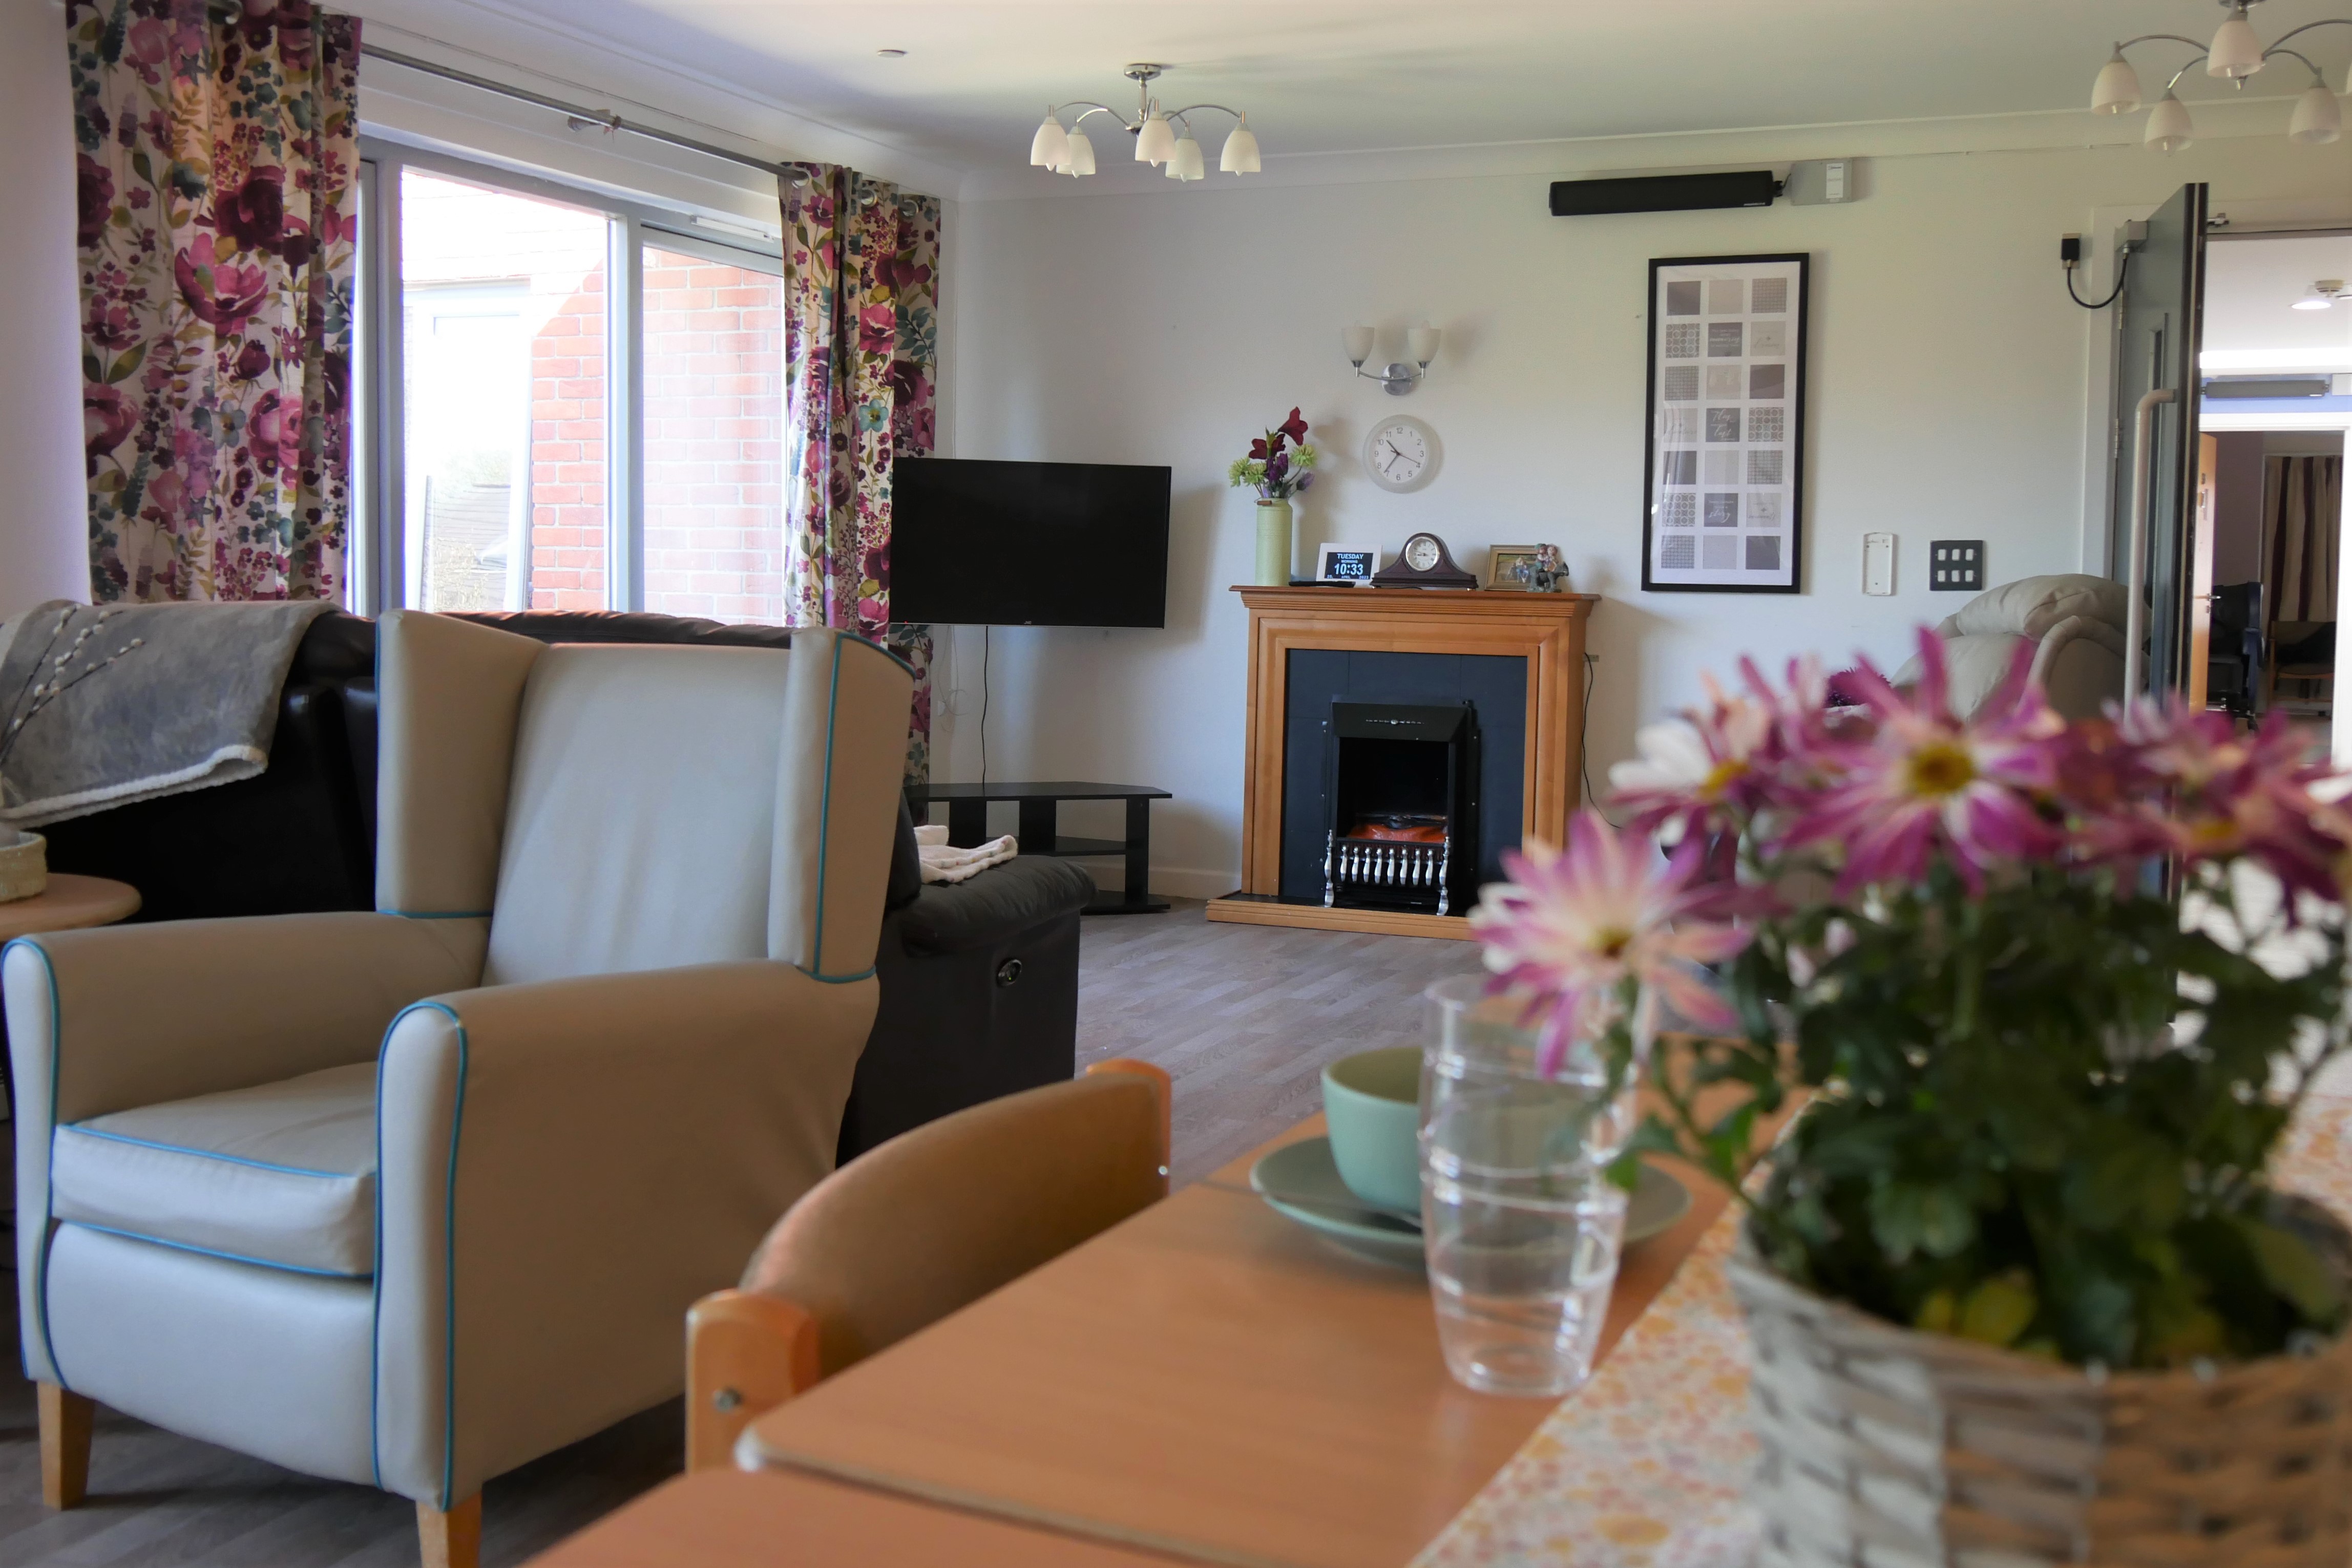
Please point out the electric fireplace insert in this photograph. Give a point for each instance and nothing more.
(1402, 782)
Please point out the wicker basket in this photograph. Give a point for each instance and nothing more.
(1900, 1449)
(24, 864)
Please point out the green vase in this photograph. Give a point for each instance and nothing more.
(1273, 544)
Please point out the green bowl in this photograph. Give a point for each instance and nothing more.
(1372, 1101)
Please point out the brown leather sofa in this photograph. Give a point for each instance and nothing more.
(979, 980)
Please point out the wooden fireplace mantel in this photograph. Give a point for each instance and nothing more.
(1545, 629)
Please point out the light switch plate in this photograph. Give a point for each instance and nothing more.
(1956, 566)
(1878, 564)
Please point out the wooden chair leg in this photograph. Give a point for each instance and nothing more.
(451, 1540)
(745, 1354)
(66, 1419)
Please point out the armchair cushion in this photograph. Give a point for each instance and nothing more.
(282, 1174)
(641, 811)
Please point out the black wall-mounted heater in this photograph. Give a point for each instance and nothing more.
(1662, 193)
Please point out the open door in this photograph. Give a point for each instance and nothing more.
(2159, 330)
(2203, 517)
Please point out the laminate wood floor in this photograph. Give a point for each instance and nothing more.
(1243, 1016)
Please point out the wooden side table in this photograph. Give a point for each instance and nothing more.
(1040, 835)
(68, 904)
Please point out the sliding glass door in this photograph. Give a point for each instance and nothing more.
(567, 403)
(2159, 325)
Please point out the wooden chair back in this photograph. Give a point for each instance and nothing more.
(917, 1227)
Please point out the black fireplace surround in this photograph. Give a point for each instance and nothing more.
(1374, 736)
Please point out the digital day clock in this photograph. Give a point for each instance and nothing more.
(1343, 564)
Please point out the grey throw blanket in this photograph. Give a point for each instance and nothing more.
(102, 706)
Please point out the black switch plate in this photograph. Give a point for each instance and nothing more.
(1956, 566)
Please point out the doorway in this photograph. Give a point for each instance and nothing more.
(2275, 373)
(2276, 514)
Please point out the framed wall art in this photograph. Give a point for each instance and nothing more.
(1723, 506)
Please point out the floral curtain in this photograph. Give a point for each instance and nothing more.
(218, 173)
(861, 352)
(2301, 500)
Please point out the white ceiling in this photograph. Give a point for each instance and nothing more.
(2250, 288)
(1326, 76)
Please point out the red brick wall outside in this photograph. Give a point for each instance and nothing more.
(713, 400)
(714, 439)
(714, 443)
(567, 453)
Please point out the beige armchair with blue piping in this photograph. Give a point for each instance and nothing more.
(408, 1199)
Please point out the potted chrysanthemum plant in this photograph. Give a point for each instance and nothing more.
(1280, 464)
(2018, 1285)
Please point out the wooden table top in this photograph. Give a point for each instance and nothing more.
(726, 1519)
(68, 904)
(1206, 1379)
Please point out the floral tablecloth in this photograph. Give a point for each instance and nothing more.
(1645, 1465)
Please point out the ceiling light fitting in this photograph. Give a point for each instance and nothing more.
(2235, 54)
(1163, 136)
(2323, 296)
(1398, 379)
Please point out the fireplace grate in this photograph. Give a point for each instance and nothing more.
(1360, 865)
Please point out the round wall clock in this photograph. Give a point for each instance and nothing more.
(1401, 454)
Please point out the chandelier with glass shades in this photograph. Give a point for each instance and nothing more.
(2235, 54)
(1163, 136)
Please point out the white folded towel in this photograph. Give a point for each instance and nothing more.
(942, 861)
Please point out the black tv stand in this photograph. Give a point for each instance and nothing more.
(1040, 806)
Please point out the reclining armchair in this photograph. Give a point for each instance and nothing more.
(408, 1199)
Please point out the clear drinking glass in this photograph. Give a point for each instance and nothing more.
(1520, 1221)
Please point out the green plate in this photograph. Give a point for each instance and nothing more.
(1311, 1193)
(1303, 1170)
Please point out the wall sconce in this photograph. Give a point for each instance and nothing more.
(1398, 379)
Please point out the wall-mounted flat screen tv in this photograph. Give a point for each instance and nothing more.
(975, 542)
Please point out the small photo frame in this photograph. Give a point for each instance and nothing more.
(1512, 568)
(1348, 564)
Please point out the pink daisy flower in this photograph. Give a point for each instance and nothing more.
(1924, 782)
(1698, 772)
(2208, 793)
(1572, 926)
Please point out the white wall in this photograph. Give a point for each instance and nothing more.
(44, 552)
(1948, 377)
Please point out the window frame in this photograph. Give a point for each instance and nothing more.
(376, 553)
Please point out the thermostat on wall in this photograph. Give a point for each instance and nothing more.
(1878, 563)
(1823, 182)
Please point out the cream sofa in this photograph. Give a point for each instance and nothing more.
(2074, 623)
(410, 1197)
